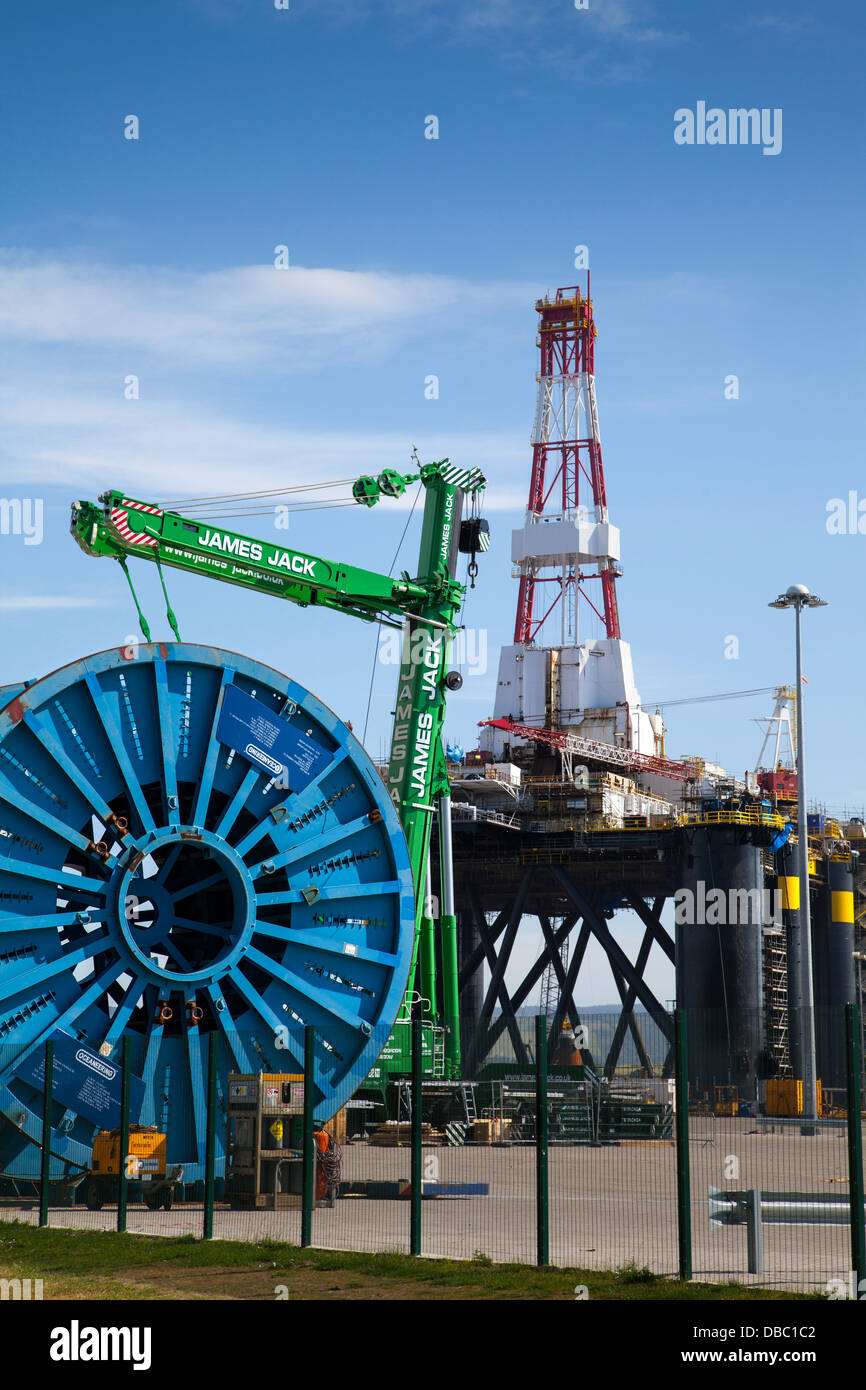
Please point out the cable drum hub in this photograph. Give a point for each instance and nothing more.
(194, 915)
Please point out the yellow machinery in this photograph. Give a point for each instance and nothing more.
(145, 1165)
(726, 1100)
(146, 1150)
(785, 1097)
(566, 1052)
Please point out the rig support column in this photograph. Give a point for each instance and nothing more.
(835, 985)
(472, 993)
(719, 957)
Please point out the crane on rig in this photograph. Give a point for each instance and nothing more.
(427, 606)
(571, 745)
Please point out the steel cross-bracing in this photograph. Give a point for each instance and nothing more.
(491, 920)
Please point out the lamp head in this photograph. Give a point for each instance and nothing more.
(798, 596)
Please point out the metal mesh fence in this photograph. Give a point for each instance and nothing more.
(769, 1182)
(480, 1169)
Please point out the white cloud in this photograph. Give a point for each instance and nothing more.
(610, 42)
(64, 423)
(615, 20)
(157, 451)
(777, 22)
(238, 316)
(27, 602)
(69, 322)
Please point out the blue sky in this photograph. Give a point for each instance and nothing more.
(411, 256)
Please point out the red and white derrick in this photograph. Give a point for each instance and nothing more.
(566, 670)
(567, 472)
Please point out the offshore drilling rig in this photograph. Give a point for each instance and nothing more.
(194, 848)
(569, 811)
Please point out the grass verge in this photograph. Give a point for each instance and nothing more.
(104, 1265)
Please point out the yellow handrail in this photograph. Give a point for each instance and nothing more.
(770, 818)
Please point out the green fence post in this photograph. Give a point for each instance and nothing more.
(308, 1152)
(541, 1143)
(855, 1144)
(46, 1135)
(416, 1174)
(684, 1209)
(210, 1142)
(123, 1177)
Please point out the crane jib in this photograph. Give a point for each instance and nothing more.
(259, 553)
(170, 529)
(143, 530)
(226, 569)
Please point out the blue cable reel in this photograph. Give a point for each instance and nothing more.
(189, 842)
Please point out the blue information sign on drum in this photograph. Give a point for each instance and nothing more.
(269, 741)
(84, 1081)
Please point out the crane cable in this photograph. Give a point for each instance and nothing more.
(142, 620)
(219, 506)
(703, 699)
(169, 611)
(246, 496)
(379, 625)
(312, 506)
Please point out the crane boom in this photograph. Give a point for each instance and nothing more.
(123, 525)
(119, 527)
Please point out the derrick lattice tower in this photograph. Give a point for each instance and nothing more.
(568, 667)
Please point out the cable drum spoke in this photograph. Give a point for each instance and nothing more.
(190, 842)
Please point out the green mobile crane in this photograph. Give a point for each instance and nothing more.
(426, 606)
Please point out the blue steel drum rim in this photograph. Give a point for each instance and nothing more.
(107, 734)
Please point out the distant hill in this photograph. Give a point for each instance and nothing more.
(601, 1021)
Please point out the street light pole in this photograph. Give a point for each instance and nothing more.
(810, 1065)
(798, 597)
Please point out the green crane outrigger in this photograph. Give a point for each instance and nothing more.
(428, 606)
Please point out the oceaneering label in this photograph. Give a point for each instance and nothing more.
(251, 751)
